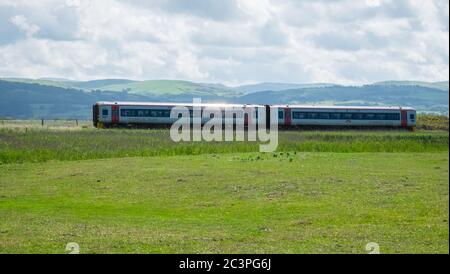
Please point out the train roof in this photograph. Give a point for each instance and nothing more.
(346, 107)
(254, 105)
(177, 104)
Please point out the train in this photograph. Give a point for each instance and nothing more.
(156, 114)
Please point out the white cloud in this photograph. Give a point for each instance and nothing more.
(22, 23)
(233, 42)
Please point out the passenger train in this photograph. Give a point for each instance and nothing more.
(152, 114)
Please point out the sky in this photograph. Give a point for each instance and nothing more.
(226, 41)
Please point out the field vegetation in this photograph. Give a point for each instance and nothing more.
(228, 203)
(37, 144)
(432, 122)
(136, 191)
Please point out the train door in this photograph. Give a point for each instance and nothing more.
(411, 118)
(287, 117)
(95, 114)
(115, 114)
(404, 118)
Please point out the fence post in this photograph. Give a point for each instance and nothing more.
(76, 120)
(42, 122)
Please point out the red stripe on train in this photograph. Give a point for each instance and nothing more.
(115, 114)
(404, 117)
(287, 117)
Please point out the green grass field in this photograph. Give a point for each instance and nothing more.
(134, 191)
(37, 144)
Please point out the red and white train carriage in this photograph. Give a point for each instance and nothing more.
(113, 114)
(341, 116)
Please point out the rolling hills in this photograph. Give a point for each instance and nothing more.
(61, 98)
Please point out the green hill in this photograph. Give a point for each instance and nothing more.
(437, 85)
(47, 98)
(44, 82)
(278, 86)
(99, 84)
(149, 87)
(172, 87)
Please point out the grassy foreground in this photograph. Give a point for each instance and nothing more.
(18, 145)
(243, 203)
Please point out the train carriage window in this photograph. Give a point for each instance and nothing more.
(368, 116)
(313, 115)
(335, 116)
(347, 116)
(104, 112)
(357, 116)
(145, 113)
(411, 117)
(280, 114)
(342, 116)
(321, 115)
(380, 116)
(386, 116)
(324, 115)
(392, 116)
(124, 112)
(295, 114)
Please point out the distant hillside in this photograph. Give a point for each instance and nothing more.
(149, 87)
(64, 83)
(45, 82)
(22, 100)
(438, 85)
(99, 84)
(31, 100)
(276, 87)
(172, 87)
(53, 98)
(424, 99)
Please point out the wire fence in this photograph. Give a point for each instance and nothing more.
(46, 123)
